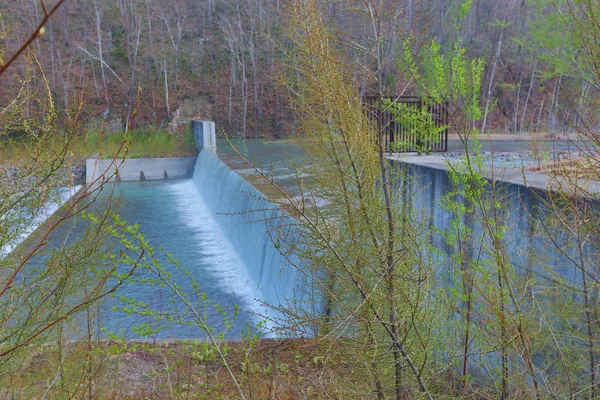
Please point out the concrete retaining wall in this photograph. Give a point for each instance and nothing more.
(136, 169)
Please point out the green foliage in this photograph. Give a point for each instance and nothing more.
(439, 73)
(564, 35)
(359, 249)
(48, 281)
(413, 68)
(417, 122)
(464, 10)
(140, 143)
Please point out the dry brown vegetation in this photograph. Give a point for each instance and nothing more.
(575, 167)
(220, 59)
(267, 369)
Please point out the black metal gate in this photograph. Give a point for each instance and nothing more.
(416, 124)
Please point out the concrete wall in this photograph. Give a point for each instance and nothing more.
(136, 169)
(205, 135)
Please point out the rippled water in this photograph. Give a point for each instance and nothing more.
(173, 215)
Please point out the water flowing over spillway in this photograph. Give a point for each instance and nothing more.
(218, 255)
(216, 225)
(62, 195)
(246, 216)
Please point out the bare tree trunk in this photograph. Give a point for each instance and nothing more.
(537, 127)
(166, 86)
(527, 99)
(4, 33)
(231, 84)
(100, 51)
(175, 42)
(244, 96)
(391, 228)
(516, 111)
(503, 338)
(490, 86)
(410, 9)
(254, 77)
(37, 18)
(96, 88)
(67, 81)
(52, 51)
(132, 92)
(585, 87)
(590, 326)
(155, 78)
(554, 105)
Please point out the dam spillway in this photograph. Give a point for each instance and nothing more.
(216, 224)
(250, 222)
(221, 231)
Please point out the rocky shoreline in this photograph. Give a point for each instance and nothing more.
(522, 158)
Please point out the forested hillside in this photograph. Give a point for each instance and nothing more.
(469, 275)
(219, 59)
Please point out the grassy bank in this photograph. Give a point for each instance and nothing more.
(137, 143)
(140, 143)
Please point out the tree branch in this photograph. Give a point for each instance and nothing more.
(39, 31)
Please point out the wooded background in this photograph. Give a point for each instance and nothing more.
(218, 59)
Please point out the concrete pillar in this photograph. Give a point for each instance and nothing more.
(204, 135)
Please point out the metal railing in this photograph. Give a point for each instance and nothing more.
(411, 124)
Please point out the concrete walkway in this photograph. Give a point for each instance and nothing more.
(516, 176)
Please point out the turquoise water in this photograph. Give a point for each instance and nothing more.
(215, 225)
(204, 223)
(174, 215)
(278, 158)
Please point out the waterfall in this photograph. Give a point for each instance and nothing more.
(246, 217)
(60, 196)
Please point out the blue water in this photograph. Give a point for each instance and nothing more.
(175, 216)
(215, 225)
(223, 231)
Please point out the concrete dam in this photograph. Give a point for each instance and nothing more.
(224, 233)
(221, 229)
